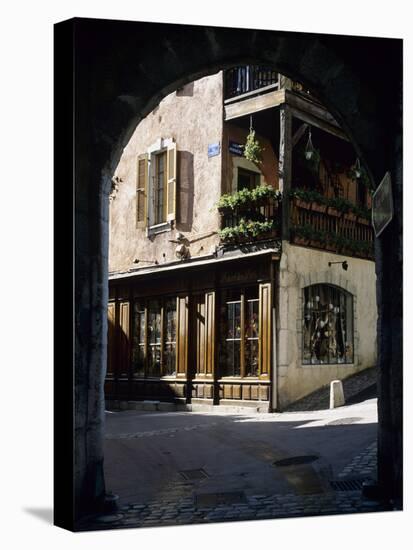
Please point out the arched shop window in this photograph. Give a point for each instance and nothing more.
(327, 325)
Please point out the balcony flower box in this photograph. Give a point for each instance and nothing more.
(300, 203)
(330, 244)
(331, 211)
(316, 243)
(350, 216)
(302, 241)
(363, 220)
(318, 207)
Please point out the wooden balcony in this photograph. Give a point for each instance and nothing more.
(319, 226)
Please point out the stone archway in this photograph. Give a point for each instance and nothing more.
(122, 70)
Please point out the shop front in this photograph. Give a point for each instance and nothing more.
(200, 333)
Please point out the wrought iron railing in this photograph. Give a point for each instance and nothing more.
(249, 223)
(241, 80)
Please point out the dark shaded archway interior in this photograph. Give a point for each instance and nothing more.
(121, 71)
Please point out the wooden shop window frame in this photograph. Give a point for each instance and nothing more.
(143, 304)
(264, 332)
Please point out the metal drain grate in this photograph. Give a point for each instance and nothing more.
(214, 499)
(343, 421)
(296, 460)
(353, 484)
(194, 475)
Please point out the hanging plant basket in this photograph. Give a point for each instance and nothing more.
(252, 148)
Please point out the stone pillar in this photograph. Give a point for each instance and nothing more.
(389, 336)
(91, 296)
(336, 394)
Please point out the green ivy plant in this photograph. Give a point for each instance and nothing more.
(245, 229)
(339, 203)
(246, 197)
(252, 148)
(308, 195)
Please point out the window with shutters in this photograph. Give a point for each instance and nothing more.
(240, 333)
(156, 187)
(327, 325)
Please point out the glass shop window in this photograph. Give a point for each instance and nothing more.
(251, 337)
(154, 338)
(327, 325)
(239, 333)
(169, 356)
(138, 339)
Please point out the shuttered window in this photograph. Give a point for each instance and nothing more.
(156, 186)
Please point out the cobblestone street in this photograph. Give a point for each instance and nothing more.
(258, 466)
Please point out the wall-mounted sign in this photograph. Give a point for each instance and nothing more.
(214, 149)
(236, 148)
(382, 207)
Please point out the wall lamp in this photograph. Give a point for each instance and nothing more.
(344, 264)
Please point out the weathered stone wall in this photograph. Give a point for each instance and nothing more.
(300, 267)
(192, 116)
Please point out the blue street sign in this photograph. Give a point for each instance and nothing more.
(214, 149)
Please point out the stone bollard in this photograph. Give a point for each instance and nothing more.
(336, 394)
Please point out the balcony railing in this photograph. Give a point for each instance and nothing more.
(326, 228)
(242, 80)
(250, 222)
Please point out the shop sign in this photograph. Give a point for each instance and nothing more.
(382, 207)
(239, 276)
(236, 148)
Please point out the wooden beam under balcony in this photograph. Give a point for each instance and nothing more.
(254, 104)
(302, 108)
(313, 113)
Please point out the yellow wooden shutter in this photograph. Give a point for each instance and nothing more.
(265, 330)
(142, 191)
(171, 182)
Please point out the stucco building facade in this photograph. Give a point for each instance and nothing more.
(222, 294)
